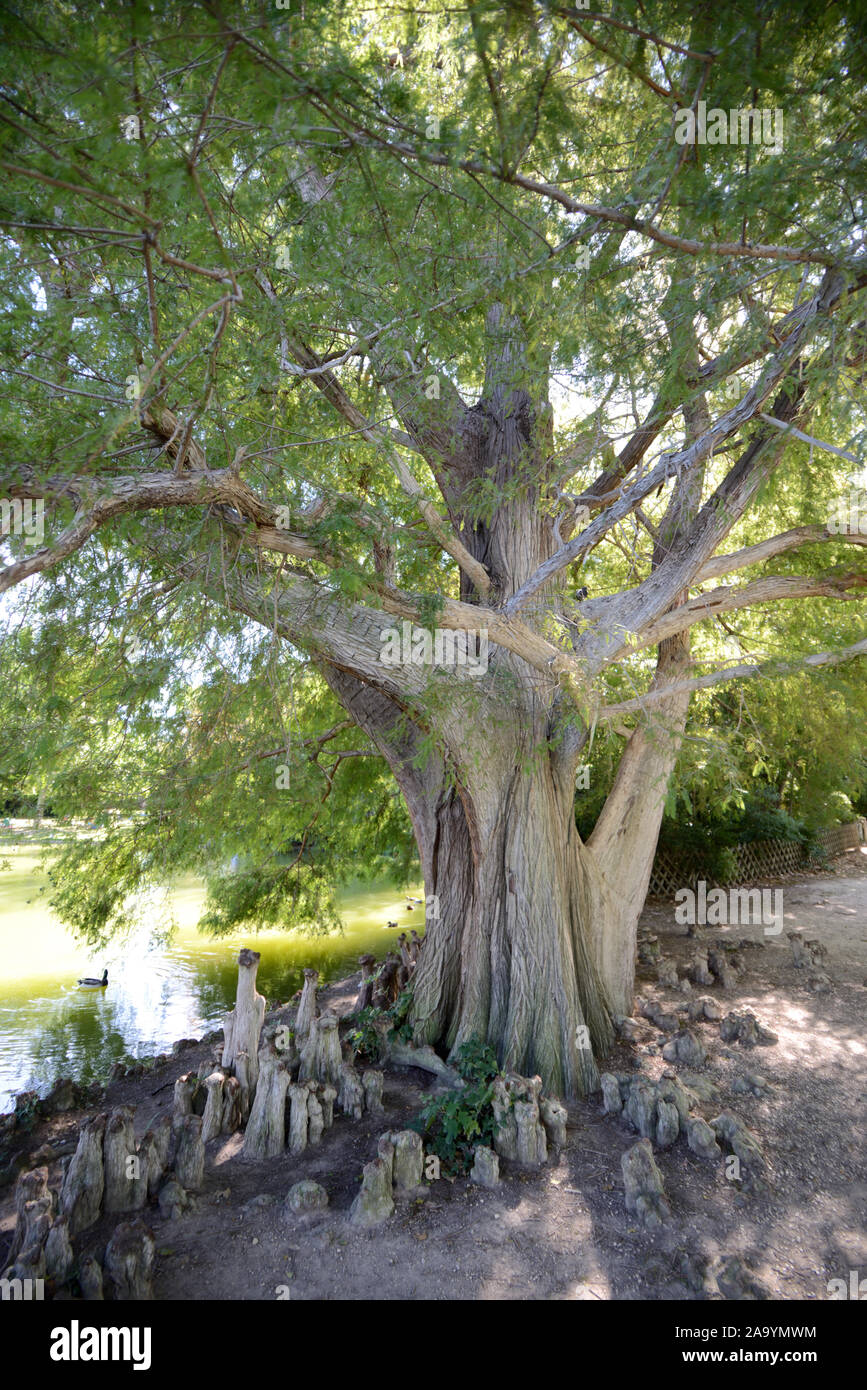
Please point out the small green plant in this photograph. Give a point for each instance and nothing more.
(26, 1109)
(452, 1124)
(399, 1016)
(726, 865)
(476, 1061)
(364, 1037)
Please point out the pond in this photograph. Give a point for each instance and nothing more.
(157, 993)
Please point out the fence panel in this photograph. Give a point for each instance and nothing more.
(756, 859)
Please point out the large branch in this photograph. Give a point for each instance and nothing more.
(101, 500)
(605, 488)
(300, 609)
(595, 610)
(774, 545)
(436, 427)
(120, 496)
(331, 388)
(549, 191)
(633, 611)
(684, 460)
(744, 671)
(769, 589)
(335, 630)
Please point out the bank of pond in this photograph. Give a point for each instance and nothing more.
(157, 992)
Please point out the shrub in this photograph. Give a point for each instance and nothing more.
(399, 1016)
(365, 1036)
(709, 844)
(452, 1124)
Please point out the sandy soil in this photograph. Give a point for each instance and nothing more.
(564, 1232)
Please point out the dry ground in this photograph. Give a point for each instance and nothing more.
(564, 1233)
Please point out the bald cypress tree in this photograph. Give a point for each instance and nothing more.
(340, 346)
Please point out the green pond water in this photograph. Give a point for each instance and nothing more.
(157, 993)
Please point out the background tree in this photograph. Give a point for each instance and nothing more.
(317, 322)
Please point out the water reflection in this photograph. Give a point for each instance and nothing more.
(156, 993)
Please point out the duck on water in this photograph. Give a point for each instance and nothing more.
(91, 983)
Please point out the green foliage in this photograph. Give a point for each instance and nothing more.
(27, 1109)
(757, 822)
(181, 774)
(398, 1014)
(114, 249)
(476, 1061)
(365, 1035)
(710, 842)
(453, 1123)
(430, 606)
(790, 750)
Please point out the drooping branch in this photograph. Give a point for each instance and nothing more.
(342, 639)
(630, 65)
(656, 39)
(620, 217)
(102, 499)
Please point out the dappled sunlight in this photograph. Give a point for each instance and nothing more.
(803, 1033)
(229, 1148)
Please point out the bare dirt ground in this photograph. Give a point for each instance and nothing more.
(564, 1232)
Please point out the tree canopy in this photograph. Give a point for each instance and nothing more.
(269, 275)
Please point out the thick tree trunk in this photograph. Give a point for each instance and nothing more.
(508, 954)
(510, 959)
(531, 943)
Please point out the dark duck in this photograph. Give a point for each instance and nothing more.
(95, 984)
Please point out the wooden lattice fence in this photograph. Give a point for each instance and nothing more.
(756, 859)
